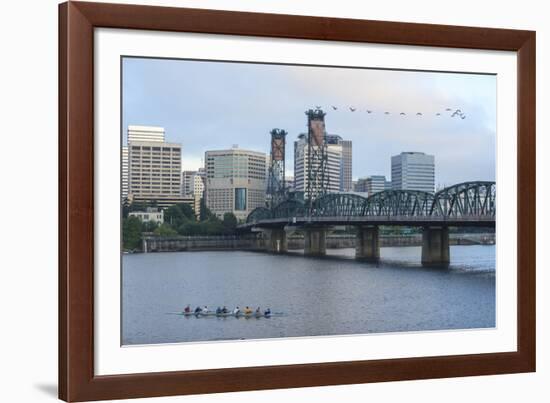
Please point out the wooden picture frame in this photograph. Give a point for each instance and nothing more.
(77, 21)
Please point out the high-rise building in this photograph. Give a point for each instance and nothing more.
(145, 133)
(235, 181)
(346, 180)
(187, 183)
(192, 185)
(360, 185)
(289, 183)
(124, 181)
(154, 166)
(413, 171)
(375, 184)
(332, 172)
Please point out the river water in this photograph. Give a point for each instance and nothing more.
(335, 295)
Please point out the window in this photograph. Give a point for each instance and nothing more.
(240, 199)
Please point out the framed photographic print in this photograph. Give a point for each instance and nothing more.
(256, 201)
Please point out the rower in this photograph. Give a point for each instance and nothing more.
(247, 311)
(236, 311)
(218, 310)
(258, 311)
(225, 310)
(197, 310)
(187, 309)
(267, 312)
(205, 309)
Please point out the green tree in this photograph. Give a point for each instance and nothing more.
(192, 228)
(165, 230)
(229, 223)
(213, 226)
(125, 208)
(179, 214)
(149, 226)
(205, 213)
(131, 233)
(138, 206)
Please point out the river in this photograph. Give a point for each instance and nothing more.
(335, 295)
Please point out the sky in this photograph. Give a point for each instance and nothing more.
(209, 105)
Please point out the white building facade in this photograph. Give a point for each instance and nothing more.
(235, 181)
(413, 171)
(146, 133)
(124, 167)
(301, 160)
(149, 215)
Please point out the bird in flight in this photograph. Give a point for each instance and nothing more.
(334, 107)
(418, 113)
(352, 109)
(368, 111)
(402, 113)
(386, 113)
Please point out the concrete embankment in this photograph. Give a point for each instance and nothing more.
(256, 242)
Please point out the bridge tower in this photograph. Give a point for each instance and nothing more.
(317, 178)
(276, 188)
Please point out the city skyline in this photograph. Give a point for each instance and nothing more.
(206, 113)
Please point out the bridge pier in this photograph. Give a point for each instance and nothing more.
(315, 241)
(435, 246)
(367, 246)
(276, 240)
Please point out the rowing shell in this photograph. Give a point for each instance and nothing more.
(226, 315)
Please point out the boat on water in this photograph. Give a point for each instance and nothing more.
(227, 314)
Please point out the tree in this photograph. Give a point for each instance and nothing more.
(192, 228)
(205, 213)
(229, 223)
(149, 226)
(165, 230)
(213, 226)
(125, 208)
(131, 233)
(179, 214)
(138, 206)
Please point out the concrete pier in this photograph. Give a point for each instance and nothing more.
(435, 246)
(367, 244)
(276, 240)
(315, 241)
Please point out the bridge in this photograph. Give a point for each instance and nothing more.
(468, 204)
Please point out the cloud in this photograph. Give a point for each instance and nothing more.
(213, 105)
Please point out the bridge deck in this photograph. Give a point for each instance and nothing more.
(467, 221)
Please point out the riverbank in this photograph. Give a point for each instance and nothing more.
(254, 242)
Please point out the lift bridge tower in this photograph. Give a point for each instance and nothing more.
(276, 189)
(316, 175)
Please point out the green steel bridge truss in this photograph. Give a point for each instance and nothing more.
(463, 200)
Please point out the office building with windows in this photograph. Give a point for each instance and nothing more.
(145, 133)
(413, 171)
(375, 184)
(235, 181)
(333, 166)
(346, 180)
(371, 184)
(124, 167)
(154, 166)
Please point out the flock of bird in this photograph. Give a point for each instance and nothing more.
(456, 112)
